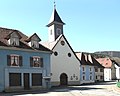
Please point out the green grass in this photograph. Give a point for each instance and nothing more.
(118, 84)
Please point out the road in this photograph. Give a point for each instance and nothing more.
(99, 89)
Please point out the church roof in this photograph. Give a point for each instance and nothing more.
(55, 18)
(52, 45)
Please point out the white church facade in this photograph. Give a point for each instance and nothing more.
(65, 65)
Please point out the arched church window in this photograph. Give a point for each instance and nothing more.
(58, 31)
(51, 32)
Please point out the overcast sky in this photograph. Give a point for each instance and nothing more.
(91, 25)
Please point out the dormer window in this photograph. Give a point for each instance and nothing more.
(34, 44)
(33, 41)
(13, 38)
(14, 41)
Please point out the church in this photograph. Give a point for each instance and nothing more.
(65, 64)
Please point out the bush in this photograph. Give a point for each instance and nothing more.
(118, 84)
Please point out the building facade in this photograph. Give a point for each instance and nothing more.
(99, 70)
(116, 62)
(109, 70)
(64, 63)
(25, 64)
(87, 71)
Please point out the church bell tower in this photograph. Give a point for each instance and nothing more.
(55, 26)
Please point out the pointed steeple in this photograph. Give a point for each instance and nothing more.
(55, 18)
(55, 26)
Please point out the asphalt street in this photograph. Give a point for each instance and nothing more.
(98, 89)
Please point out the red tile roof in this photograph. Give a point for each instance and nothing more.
(106, 62)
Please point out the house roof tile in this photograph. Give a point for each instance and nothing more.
(5, 32)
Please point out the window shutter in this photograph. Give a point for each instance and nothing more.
(20, 60)
(31, 61)
(41, 62)
(8, 60)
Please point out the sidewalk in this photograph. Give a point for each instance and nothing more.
(116, 89)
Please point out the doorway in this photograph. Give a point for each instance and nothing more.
(26, 81)
(63, 79)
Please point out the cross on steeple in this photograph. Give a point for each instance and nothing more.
(55, 25)
(54, 4)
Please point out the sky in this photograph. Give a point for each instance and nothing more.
(91, 25)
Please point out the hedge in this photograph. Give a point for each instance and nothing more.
(118, 84)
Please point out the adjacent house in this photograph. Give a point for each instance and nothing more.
(99, 70)
(109, 70)
(116, 63)
(24, 62)
(65, 64)
(87, 70)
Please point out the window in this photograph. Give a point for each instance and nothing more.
(90, 69)
(14, 60)
(101, 70)
(90, 72)
(34, 44)
(69, 54)
(83, 72)
(83, 68)
(51, 32)
(83, 77)
(90, 77)
(14, 79)
(96, 77)
(33, 41)
(14, 41)
(55, 53)
(62, 43)
(101, 77)
(96, 69)
(36, 79)
(58, 31)
(13, 38)
(36, 61)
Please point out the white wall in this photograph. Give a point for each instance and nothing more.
(107, 74)
(64, 64)
(117, 72)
